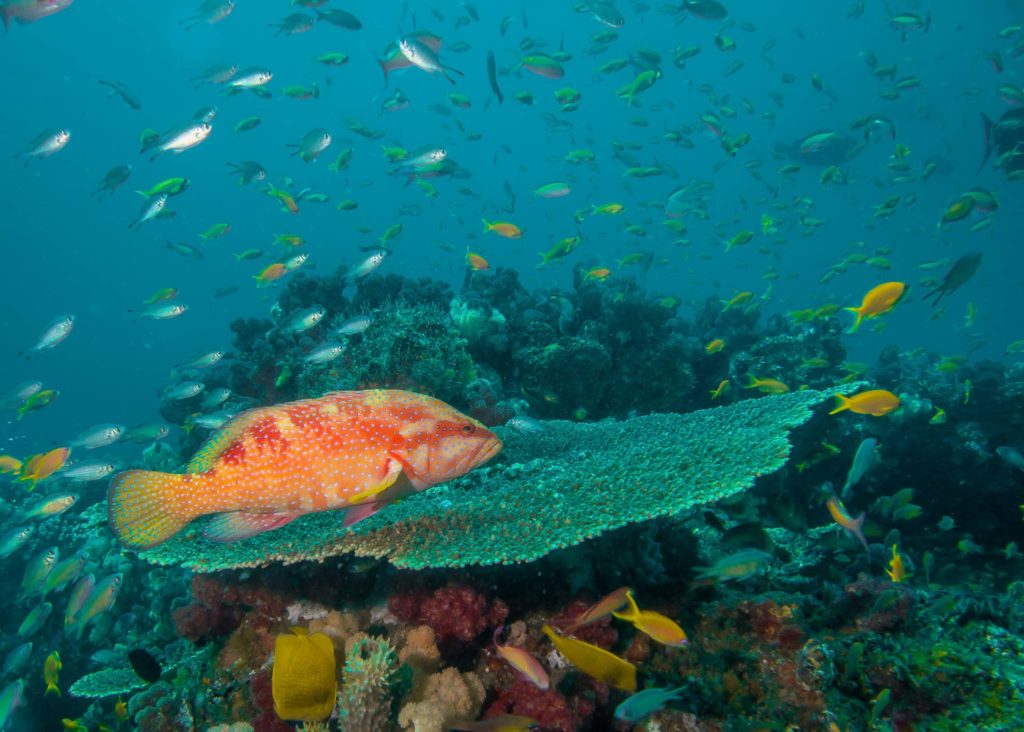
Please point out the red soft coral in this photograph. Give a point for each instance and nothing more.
(453, 613)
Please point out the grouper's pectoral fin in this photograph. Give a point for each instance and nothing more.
(238, 525)
(392, 472)
(363, 511)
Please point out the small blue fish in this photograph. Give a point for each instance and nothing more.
(645, 703)
(16, 659)
(15, 539)
(863, 462)
(35, 619)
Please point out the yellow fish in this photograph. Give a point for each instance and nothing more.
(878, 301)
(655, 625)
(896, 571)
(717, 391)
(304, 678)
(714, 346)
(767, 386)
(876, 402)
(51, 673)
(596, 662)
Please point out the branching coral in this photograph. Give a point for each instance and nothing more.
(364, 701)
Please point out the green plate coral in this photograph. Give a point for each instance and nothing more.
(554, 489)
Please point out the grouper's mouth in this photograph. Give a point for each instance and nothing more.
(486, 450)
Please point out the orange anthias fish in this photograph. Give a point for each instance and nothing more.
(40, 467)
(878, 301)
(523, 662)
(271, 272)
(843, 518)
(876, 402)
(271, 465)
(655, 625)
(503, 228)
(475, 261)
(615, 600)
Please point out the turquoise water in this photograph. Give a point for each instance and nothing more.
(719, 132)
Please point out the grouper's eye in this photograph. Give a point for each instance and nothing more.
(468, 429)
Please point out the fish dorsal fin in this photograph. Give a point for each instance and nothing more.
(222, 439)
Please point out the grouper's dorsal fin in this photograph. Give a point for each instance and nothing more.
(222, 439)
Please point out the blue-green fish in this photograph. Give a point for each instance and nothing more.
(64, 573)
(35, 619)
(52, 505)
(103, 596)
(644, 703)
(12, 697)
(79, 594)
(37, 570)
(863, 462)
(15, 539)
(16, 659)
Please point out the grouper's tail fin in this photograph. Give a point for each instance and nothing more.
(146, 508)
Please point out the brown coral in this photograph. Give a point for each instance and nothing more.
(445, 697)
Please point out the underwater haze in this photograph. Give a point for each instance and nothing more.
(598, 365)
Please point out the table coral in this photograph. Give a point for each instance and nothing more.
(556, 488)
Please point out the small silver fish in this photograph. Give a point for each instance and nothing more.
(305, 320)
(354, 325)
(311, 145)
(251, 78)
(184, 390)
(202, 362)
(324, 353)
(88, 472)
(423, 57)
(164, 312)
(45, 145)
(54, 335)
(522, 423)
(100, 435)
(17, 396)
(150, 210)
(183, 138)
(367, 266)
(216, 397)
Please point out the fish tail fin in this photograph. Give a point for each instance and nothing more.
(383, 67)
(752, 382)
(146, 508)
(487, 225)
(842, 404)
(50, 686)
(631, 613)
(856, 528)
(860, 319)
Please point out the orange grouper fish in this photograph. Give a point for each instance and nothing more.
(348, 449)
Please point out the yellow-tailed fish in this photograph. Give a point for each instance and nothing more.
(594, 661)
